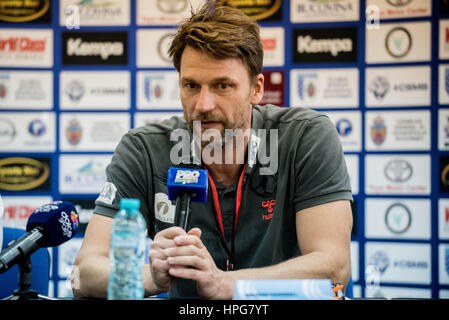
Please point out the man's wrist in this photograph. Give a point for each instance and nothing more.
(150, 288)
(226, 290)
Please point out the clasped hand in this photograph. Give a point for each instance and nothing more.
(177, 254)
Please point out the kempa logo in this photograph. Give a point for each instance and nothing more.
(306, 44)
(78, 47)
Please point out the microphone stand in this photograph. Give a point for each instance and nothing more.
(24, 292)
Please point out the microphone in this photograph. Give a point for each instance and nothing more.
(185, 185)
(48, 226)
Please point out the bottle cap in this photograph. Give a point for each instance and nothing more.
(130, 203)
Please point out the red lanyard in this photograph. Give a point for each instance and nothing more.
(238, 201)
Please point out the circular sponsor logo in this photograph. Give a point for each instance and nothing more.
(28, 10)
(398, 170)
(398, 218)
(445, 175)
(163, 45)
(75, 90)
(36, 128)
(344, 127)
(399, 3)
(379, 87)
(398, 42)
(380, 260)
(7, 131)
(19, 174)
(257, 10)
(171, 6)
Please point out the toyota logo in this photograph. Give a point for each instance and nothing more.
(398, 170)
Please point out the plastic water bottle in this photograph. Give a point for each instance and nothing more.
(126, 252)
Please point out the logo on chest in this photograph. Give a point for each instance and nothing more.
(268, 209)
(164, 210)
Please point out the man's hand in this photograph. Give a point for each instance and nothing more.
(190, 259)
(158, 259)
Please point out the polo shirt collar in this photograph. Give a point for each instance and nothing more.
(255, 142)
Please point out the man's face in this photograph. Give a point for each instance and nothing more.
(217, 92)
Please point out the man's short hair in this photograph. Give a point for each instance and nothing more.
(222, 32)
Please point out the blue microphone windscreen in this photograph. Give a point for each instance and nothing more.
(185, 179)
(59, 221)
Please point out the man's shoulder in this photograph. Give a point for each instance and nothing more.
(160, 128)
(154, 134)
(277, 114)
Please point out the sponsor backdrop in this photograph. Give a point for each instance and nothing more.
(76, 75)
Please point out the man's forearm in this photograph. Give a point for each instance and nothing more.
(91, 278)
(316, 265)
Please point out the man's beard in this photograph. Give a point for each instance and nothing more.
(220, 138)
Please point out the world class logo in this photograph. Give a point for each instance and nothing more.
(19, 174)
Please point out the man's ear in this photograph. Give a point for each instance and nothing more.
(258, 89)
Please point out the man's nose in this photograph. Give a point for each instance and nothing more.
(206, 101)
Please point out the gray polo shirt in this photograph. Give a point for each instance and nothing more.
(311, 170)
